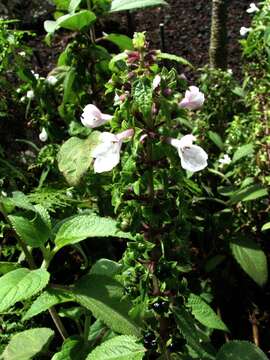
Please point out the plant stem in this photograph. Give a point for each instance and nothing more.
(58, 323)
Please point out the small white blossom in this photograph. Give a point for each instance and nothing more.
(107, 153)
(156, 82)
(92, 117)
(19, 90)
(3, 193)
(30, 94)
(43, 136)
(252, 8)
(193, 99)
(52, 80)
(22, 53)
(226, 160)
(244, 31)
(193, 158)
(229, 71)
(22, 99)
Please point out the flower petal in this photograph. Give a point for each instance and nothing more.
(106, 162)
(193, 158)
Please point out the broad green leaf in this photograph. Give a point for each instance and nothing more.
(249, 193)
(266, 226)
(185, 324)
(46, 300)
(77, 21)
(243, 151)
(27, 344)
(68, 85)
(73, 348)
(216, 139)
(119, 348)
(73, 5)
(74, 157)
(176, 58)
(81, 227)
(21, 284)
(120, 5)
(34, 232)
(122, 41)
(251, 258)
(105, 267)
(204, 314)
(19, 200)
(240, 350)
(50, 26)
(6, 266)
(102, 295)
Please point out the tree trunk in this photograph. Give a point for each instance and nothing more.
(218, 41)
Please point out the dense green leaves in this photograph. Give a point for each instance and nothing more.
(251, 258)
(120, 5)
(46, 300)
(74, 158)
(81, 227)
(240, 350)
(103, 297)
(25, 345)
(20, 285)
(204, 314)
(118, 348)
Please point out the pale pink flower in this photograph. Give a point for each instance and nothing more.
(193, 99)
(193, 158)
(92, 117)
(107, 152)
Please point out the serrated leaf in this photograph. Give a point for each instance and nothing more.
(251, 258)
(172, 57)
(185, 323)
(19, 200)
(142, 95)
(81, 227)
(73, 348)
(21, 284)
(102, 295)
(204, 313)
(34, 232)
(240, 350)
(120, 5)
(266, 226)
(26, 344)
(119, 348)
(76, 21)
(243, 151)
(46, 300)
(105, 267)
(74, 157)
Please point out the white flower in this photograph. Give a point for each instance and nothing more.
(43, 136)
(36, 75)
(22, 53)
(92, 117)
(229, 71)
(252, 8)
(52, 80)
(22, 99)
(193, 99)
(244, 30)
(107, 153)
(193, 157)
(30, 94)
(225, 160)
(156, 82)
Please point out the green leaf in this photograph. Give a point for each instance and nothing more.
(204, 314)
(122, 41)
(50, 26)
(249, 193)
(73, 5)
(102, 295)
(68, 85)
(73, 348)
(240, 350)
(6, 266)
(81, 227)
(19, 200)
(185, 323)
(216, 139)
(26, 344)
(77, 21)
(266, 226)
(120, 5)
(119, 348)
(142, 94)
(46, 300)
(21, 284)
(172, 57)
(34, 232)
(251, 258)
(74, 157)
(105, 267)
(243, 151)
